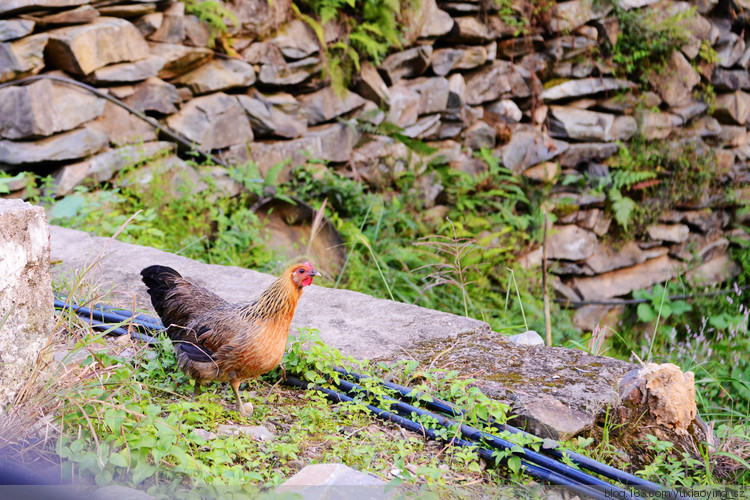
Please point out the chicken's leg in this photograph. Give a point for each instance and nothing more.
(245, 409)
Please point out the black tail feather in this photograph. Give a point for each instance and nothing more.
(159, 280)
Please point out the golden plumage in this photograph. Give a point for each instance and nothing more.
(216, 340)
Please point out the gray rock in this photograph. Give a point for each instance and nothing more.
(714, 272)
(132, 10)
(80, 15)
(518, 47)
(470, 29)
(172, 27)
(676, 86)
(624, 281)
(634, 4)
(456, 92)
(584, 125)
(586, 152)
(567, 16)
(197, 33)
(154, 94)
(127, 72)
(380, 160)
(690, 110)
(23, 57)
(332, 481)
(628, 103)
(443, 61)
(529, 146)
(83, 49)
(371, 85)
(335, 141)
(289, 74)
(149, 23)
(503, 110)
(65, 146)
(44, 108)
(279, 114)
(326, 104)
(218, 75)
(492, 82)
(544, 172)
(426, 127)
(732, 136)
(729, 49)
(570, 242)
(733, 108)
(675, 233)
(296, 40)
(406, 64)
(657, 125)
(104, 166)
(258, 18)
(584, 87)
(179, 58)
(11, 6)
(25, 293)
(263, 53)
(723, 79)
(257, 432)
(479, 135)
(404, 109)
(433, 93)
(12, 29)
(569, 46)
(214, 121)
(432, 21)
(527, 338)
(606, 258)
(123, 127)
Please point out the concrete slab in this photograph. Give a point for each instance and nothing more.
(355, 323)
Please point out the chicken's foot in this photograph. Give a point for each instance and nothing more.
(244, 409)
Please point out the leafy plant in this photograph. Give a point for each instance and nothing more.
(213, 13)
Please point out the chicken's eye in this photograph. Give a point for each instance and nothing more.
(301, 271)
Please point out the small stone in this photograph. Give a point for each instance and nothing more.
(491, 82)
(371, 85)
(529, 146)
(278, 114)
(179, 58)
(257, 432)
(527, 338)
(80, 15)
(586, 152)
(205, 435)
(471, 29)
(296, 40)
(404, 109)
(570, 242)
(172, 27)
(478, 136)
(567, 16)
(676, 86)
(65, 146)
(326, 104)
(23, 57)
(675, 233)
(136, 71)
(585, 87)
(218, 75)
(584, 125)
(623, 281)
(544, 172)
(433, 93)
(733, 108)
(11, 6)
(407, 64)
(289, 74)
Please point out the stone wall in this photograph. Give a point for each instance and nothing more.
(468, 81)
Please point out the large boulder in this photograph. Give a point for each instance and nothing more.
(218, 75)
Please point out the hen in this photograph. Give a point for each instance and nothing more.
(216, 340)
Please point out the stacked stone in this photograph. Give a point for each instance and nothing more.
(466, 81)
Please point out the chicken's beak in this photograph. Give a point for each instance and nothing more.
(315, 273)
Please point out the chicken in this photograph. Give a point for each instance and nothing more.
(216, 340)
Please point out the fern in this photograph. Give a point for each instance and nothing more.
(626, 179)
(622, 207)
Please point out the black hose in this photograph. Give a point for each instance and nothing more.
(104, 320)
(539, 473)
(578, 459)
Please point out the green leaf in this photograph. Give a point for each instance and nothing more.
(68, 207)
(143, 470)
(646, 313)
